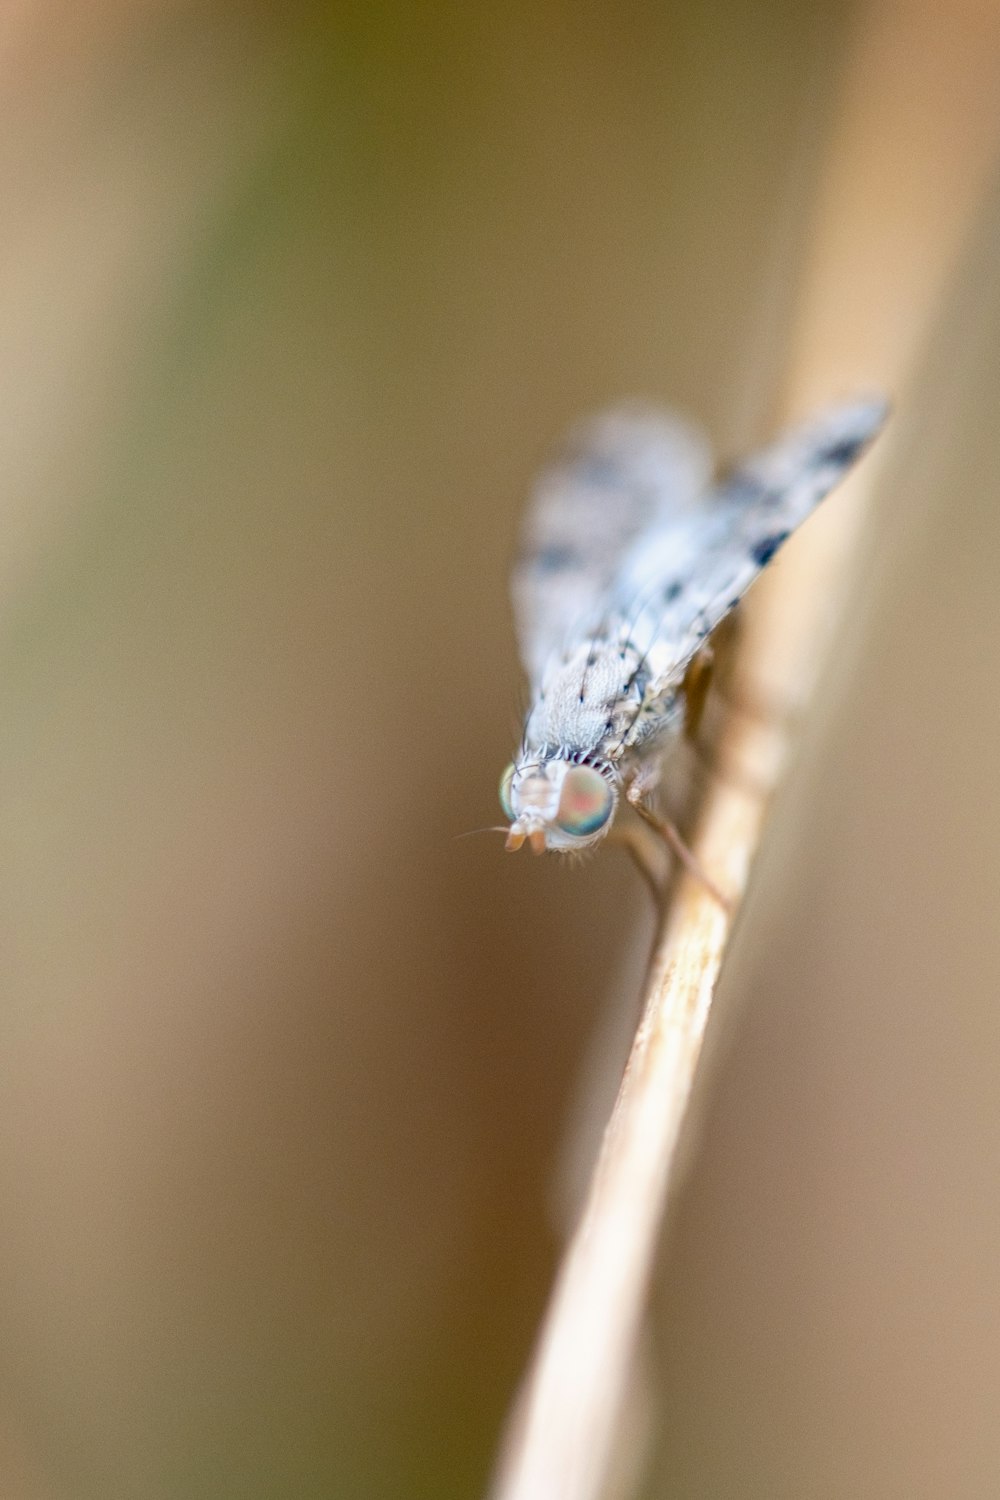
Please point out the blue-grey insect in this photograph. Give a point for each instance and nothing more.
(629, 559)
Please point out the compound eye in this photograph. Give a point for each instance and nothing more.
(585, 802)
(505, 784)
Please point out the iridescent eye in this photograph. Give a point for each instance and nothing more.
(505, 784)
(585, 802)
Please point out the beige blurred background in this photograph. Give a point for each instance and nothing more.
(293, 299)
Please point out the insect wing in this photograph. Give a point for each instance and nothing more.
(682, 577)
(621, 475)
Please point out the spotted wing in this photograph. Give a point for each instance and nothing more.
(620, 476)
(683, 576)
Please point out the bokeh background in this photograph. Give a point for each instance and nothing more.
(295, 1087)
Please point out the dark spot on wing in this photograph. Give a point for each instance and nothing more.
(843, 452)
(554, 559)
(765, 550)
(701, 624)
(742, 489)
(673, 591)
(600, 471)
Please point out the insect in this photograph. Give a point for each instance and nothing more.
(629, 560)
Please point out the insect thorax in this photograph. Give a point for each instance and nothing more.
(597, 704)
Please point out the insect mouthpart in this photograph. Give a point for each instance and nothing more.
(534, 836)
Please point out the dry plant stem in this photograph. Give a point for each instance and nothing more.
(561, 1436)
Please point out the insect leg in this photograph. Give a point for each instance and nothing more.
(636, 843)
(674, 842)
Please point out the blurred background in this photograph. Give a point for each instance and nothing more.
(295, 1087)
